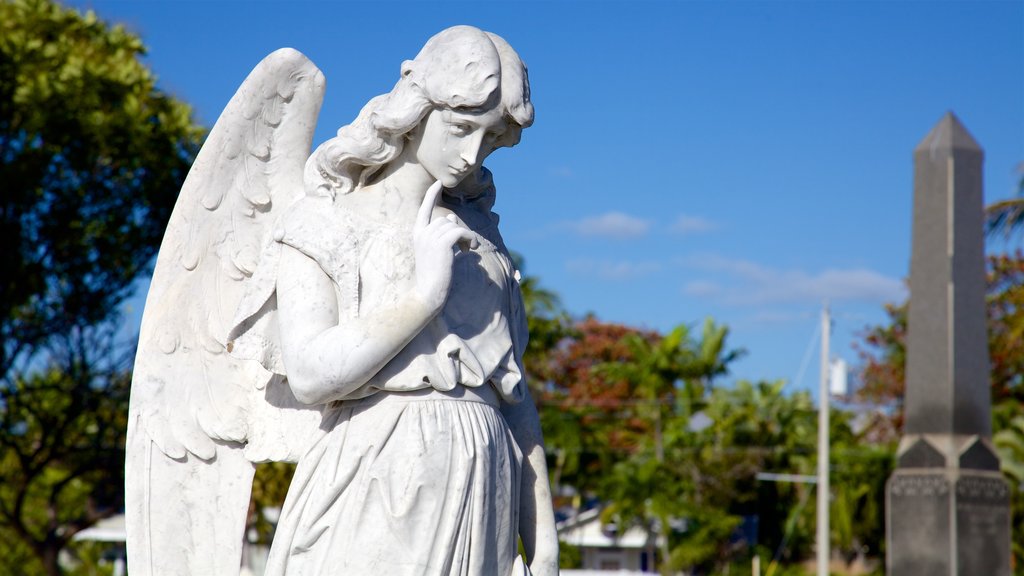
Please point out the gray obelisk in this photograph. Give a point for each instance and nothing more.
(947, 505)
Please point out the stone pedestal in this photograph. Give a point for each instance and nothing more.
(947, 506)
(948, 521)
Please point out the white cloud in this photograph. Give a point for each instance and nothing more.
(779, 316)
(686, 224)
(750, 283)
(612, 269)
(611, 225)
(563, 172)
(702, 288)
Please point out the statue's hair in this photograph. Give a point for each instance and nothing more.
(459, 68)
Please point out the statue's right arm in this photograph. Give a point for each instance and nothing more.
(326, 360)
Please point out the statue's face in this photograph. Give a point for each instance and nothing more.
(453, 144)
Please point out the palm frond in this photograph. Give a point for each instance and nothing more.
(1006, 217)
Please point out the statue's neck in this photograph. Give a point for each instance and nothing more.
(399, 189)
(406, 175)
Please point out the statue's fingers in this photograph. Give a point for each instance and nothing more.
(429, 201)
(463, 236)
(439, 227)
(449, 232)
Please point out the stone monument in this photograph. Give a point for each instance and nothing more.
(947, 505)
(354, 310)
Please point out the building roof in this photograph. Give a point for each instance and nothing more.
(106, 530)
(586, 530)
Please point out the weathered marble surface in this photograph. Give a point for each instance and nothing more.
(354, 310)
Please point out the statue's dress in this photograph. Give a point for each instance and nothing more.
(415, 472)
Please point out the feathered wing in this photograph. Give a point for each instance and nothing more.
(194, 407)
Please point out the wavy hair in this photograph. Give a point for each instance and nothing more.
(459, 68)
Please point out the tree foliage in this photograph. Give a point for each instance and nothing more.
(61, 455)
(635, 423)
(1006, 217)
(705, 489)
(587, 418)
(92, 155)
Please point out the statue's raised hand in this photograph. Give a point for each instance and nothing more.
(433, 240)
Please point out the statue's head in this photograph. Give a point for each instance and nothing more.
(462, 72)
(466, 69)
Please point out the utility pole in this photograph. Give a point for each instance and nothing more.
(823, 408)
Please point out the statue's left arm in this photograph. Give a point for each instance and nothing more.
(536, 516)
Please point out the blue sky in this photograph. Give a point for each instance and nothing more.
(738, 160)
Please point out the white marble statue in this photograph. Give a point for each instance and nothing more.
(356, 311)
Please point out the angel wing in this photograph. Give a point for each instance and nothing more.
(194, 408)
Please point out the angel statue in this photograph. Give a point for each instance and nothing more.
(356, 311)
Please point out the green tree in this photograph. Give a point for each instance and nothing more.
(706, 489)
(1006, 217)
(634, 420)
(660, 486)
(269, 488)
(61, 458)
(1006, 311)
(859, 466)
(1008, 439)
(588, 417)
(549, 325)
(92, 155)
(757, 427)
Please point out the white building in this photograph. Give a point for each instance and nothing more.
(603, 549)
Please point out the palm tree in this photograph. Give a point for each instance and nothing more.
(1007, 216)
(1009, 443)
(670, 376)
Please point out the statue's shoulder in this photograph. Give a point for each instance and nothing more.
(322, 229)
(316, 221)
